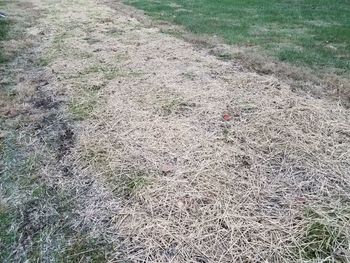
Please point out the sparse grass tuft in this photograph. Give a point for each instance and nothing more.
(43, 61)
(134, 184)
(171, 105)
(84, 249)
(327, 236)
(176, 105)
(83, 104)
(128, 183)
(7, 232)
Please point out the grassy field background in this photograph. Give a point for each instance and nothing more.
(313, 33)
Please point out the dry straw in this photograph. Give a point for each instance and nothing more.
(200, 161)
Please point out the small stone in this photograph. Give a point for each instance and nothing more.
(167, 168)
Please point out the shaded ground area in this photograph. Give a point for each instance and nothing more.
(124, 144)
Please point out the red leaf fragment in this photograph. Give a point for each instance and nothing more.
(227, 117)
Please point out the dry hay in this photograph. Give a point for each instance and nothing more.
(190, 185)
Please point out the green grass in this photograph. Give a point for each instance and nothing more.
(4, 28)
(326, 235)
(7, 234)
(313, 33)
(82, 107)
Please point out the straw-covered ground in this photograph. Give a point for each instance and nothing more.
(143, 147)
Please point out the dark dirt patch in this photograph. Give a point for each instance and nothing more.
(44, 102)
(66, 140)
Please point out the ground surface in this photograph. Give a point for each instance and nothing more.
(314, 33)
(306, 42)
(121, 143)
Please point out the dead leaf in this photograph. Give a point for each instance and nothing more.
(227, 117)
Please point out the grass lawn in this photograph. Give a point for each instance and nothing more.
(313, 33)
